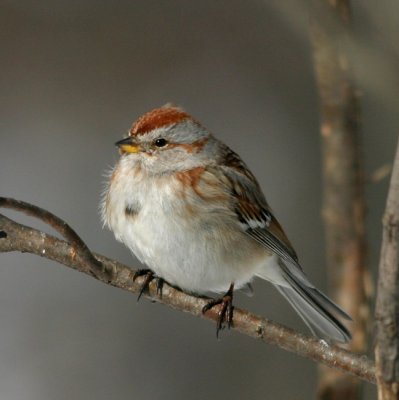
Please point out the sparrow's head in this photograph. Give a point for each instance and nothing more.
(165, 140)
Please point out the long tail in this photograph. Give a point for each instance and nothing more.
(316, 309)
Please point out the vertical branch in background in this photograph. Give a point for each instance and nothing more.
(344, 204)
(387, 307)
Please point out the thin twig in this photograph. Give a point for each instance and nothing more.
(387, 306)
(18, 237)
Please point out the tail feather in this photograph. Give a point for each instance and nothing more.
(319, 320)
(316, 309)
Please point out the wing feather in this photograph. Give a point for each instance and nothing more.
(252, 209)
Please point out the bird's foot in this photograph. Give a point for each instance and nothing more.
(226, 309)
(149, 276)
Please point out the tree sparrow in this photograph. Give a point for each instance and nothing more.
(189, 209)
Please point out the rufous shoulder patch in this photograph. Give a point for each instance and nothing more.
(158, 118)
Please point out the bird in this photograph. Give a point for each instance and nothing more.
(192, 212)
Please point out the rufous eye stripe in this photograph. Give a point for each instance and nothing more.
(195, 147)
(158, 118)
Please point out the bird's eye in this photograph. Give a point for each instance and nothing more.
(161, 142)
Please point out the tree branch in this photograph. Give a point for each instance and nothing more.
(61, 227)
(344, 207)
(74, 254)
(387, 306)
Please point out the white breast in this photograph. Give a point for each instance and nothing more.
(178, 235)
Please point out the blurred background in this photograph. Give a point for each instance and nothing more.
(73, 76)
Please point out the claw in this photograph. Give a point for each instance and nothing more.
(149, 276)
(226, 310)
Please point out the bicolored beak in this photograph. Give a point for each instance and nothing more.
(127, 145)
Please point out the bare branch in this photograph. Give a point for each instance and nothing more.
(60, 226)
(344, 206)
(17, 237)
(387, 307)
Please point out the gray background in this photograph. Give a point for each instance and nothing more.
(74, 75)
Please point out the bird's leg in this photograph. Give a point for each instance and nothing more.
(160, 283)
(226, 309)
(149, 276)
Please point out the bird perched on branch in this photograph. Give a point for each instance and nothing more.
(190, 209)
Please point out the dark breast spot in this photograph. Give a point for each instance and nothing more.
(131, 210)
